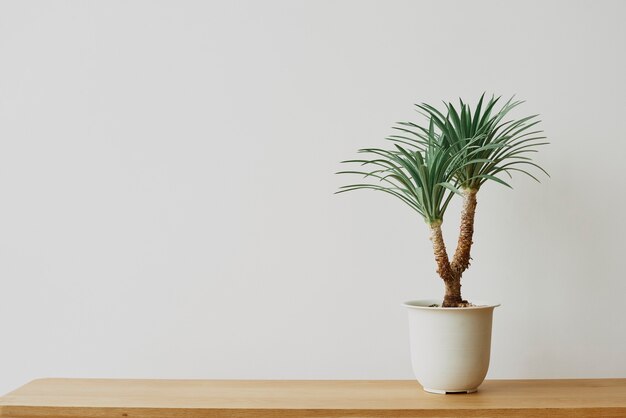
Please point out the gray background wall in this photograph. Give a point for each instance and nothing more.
(166, 186)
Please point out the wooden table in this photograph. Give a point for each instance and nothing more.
(105, 398)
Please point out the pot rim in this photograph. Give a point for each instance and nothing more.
(425, 304)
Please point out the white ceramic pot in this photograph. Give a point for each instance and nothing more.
(450, 347)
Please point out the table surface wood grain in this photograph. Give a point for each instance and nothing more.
(104, 398)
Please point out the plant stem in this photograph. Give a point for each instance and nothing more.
(452, 282)
(461, 260)
(452, 298)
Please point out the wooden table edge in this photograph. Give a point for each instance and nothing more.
(11, 408)
(17, 411)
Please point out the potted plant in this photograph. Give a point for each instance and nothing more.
(455, 153)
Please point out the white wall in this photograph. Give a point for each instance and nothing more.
(166, 186)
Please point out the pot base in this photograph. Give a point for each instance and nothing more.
(447, 392)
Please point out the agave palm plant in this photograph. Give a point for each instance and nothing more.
(455, 153)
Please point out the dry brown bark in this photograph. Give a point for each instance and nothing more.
(451, 272)
(452, 283)
(461, 260)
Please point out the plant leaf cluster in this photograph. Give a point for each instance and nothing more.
(456, 149)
